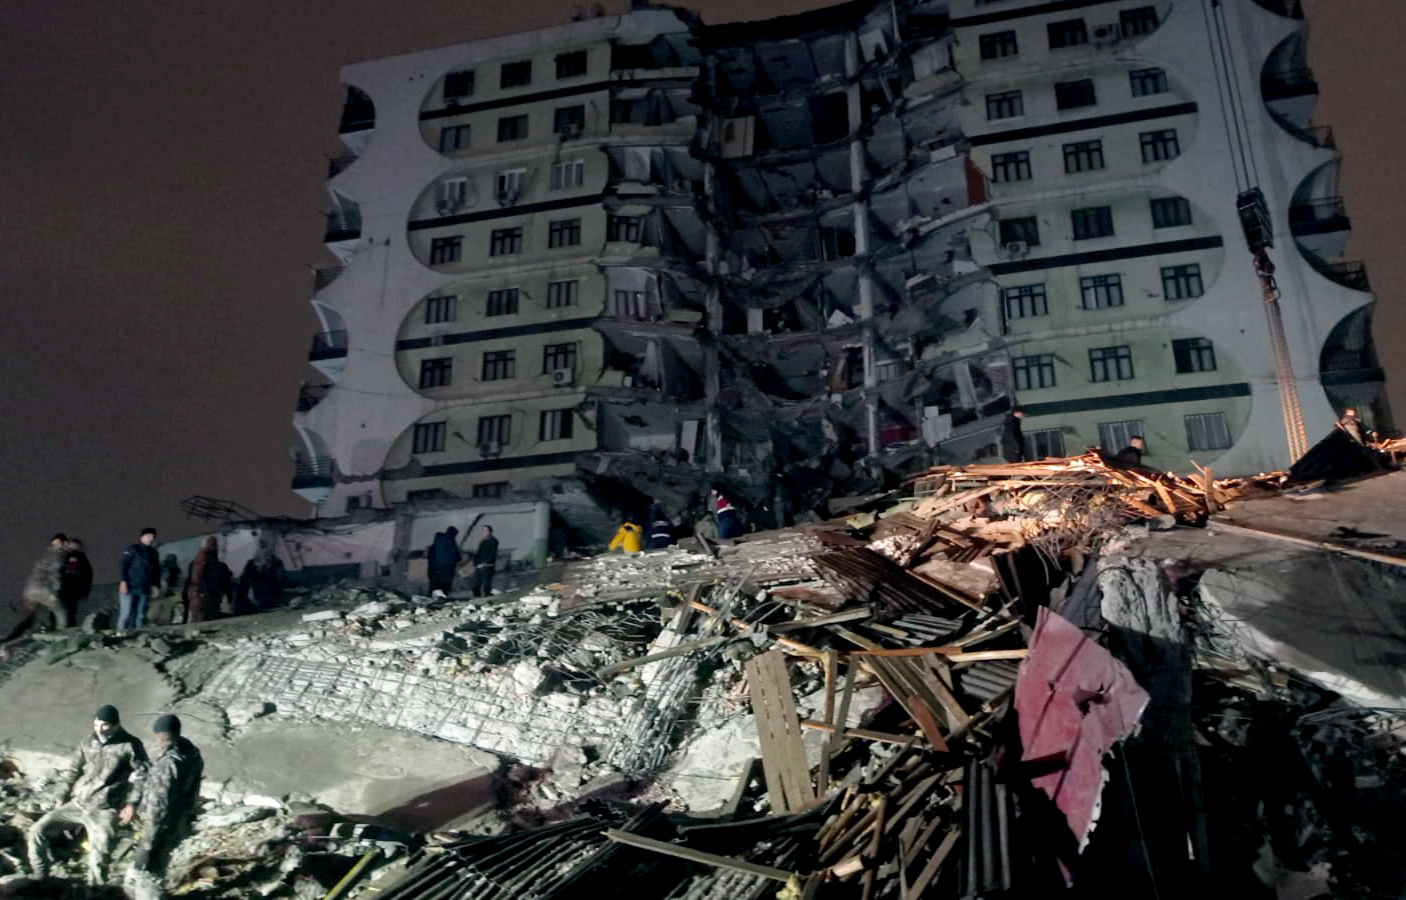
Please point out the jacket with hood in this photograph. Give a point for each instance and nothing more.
(46, 578)
(99, 775)
(140, 568)
(170, 787)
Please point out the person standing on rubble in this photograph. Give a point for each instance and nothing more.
(93, 787)
(1352, 425)
(485, 562)
(629, 538)
(139, 579)
(443, 559)
(729, 521)
(42, 589)
(202, 593)
(164, 800)
(77, 580)
(1012, 438)
(1131, 455)
(661, 530)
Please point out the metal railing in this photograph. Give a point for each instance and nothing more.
(309, 395)
(1287, 84)
(343, 225)
(325, 275)
(314, 471)
(328, 345)
(1319, 216)
(1349, 273)
(358, 113)
(338, 164)
(1317, 135)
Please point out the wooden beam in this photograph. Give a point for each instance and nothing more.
(698, 856)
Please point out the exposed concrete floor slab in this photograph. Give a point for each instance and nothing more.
(1368, 514)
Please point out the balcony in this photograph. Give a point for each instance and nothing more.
(328, 345)
(343, 225)
(1323, 216)
(338, 164)
(309, 395)
(1285, 85)
(358, 112)
(1290, 9)
(313, 477)
(1348, 273)
(325, 275)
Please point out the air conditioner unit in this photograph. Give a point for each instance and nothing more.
(1017, 248)
(562, 377)
(490, 449)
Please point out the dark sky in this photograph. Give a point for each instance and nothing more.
(161, 169)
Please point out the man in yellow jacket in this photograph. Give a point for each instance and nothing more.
(630, 538)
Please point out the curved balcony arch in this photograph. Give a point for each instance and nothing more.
(314, 469)
(1320, 226)
(330, 346)
(1290, 92)
(1289, 9)
(1350, 370)
(358, 120)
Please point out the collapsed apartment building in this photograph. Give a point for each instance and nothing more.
(804, 256)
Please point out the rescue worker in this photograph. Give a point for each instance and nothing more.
(1352, 425)
(164, 801)
(729, 522)
(443, 558)
(42, 589)
(629, 538)
(1131, 455)
(1012, 438)
(139, 574)
(661, 531)
(77, 579)
(203, 587)
(95, 786)
(485, 563)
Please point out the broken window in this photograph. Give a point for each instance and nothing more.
(1023, 230)
(1146, 82)
(1074, 94)
(561, 293)
(1194, 355)
(564, 233)
(505, 241)
(1011, 166)
(501, 303)
(1181, 282)
(491, 490)
(555, 425)
(1142, 20)
(829, 115)
(1170, 212)
(458, 85)
(436, 372)
(631, 305)
(1092, 222)
(1114, 436)
(556, 357)
(446, 250)
(624, 228)
(998, 45)
(1025, 301)
(1084, 156)
(495, 430)
(571, 65)
(1207, 431)
(1043, 443)
(453, 137)
(512, 128)
(1033, 372)
(568, 174)
(499, 365)
(568, 121)
(441, 309)
(1101, 291)
(1068, 33)
(516, 74)
(428, 437)
(1004, 105)
(1111, 363)
(1159, 146)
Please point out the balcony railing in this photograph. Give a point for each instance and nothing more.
(1285, 85)
(1351, 274)
(1317, 135)
(325, 275)
(1319, 216)
(1293, 9)
(358, 114)
(316, 471)
(328, 345)
(309, 395)
(339, 164)
(343, 225)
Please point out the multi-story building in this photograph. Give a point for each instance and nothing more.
(660, 255)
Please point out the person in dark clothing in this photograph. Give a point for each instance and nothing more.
(661, 530)
(42, 590)
(485, 562)
(729, 522)
(1352, 425)
(77, 580)
(1012, 438)
(444, 559)
(164, 799)
(139, 578)
(261, 582)
(202, 592)
(1131, 455)
(171, 573)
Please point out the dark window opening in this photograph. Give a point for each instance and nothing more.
(505, 241)
(1194, 355)
(1158, 146)
(1134, 22)
(558, 356)
(1010, 166)
(1170, 212)
(1020, 230)
(1092, 222)
(502, 303)
(495, 430)
(571, 65)
(499, 365)
(512, 128)
(1101, 291)
(1111, 364)
(1146, 82)
(454, 137)
(516, 74)
(1085, 156)
(1004, 105)
(428, 438)
(436, 372)
(1033, 372)
(441, 309)
(998, 45)
(1074, 94)
(1069, 33)
(458, 85)
(561, 293)
(446, 250)
(564, 233)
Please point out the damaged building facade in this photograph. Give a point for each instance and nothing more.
(828, 247)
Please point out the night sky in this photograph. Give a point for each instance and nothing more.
(161, 173)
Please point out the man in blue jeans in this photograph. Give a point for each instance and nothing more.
(139, 578)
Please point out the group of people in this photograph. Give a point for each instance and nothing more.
(1013, 443)
(444, 556)
(724, 522)
(112, 782)
(59, 581)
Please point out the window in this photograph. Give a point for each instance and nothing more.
(505, 241)
(1025, 301)
(561, 293)
(499, 365)
(512, 128)
(436, 372)
(446, 250)
(569, 174)
(1170, 212)
(450, 195)
(453, 137)
(492, 490)
(508, 185)
(495, 430)
(558, 356)
(1022, 230)
(1074, 94)
(1004, 105)
(624, 228)
(1181, 282)
(995, 46)
(1146, 82)
(1092, 222)
(441, 309)
(631, 305)
(569, 119)
(428, 438)
(1033, 372)
(1043, 443)
(1111, 364)
(571, 65)
(1207, 431)
(458, 85)
(1114, 436)
(555, 425)
(1159, 145)
(1011, 166)
(1101, 291)
(1142, 20)
(516, 74)
(501, 303)
(564, 233)
(1194, 355)
(1069, 33)
(1085, 156)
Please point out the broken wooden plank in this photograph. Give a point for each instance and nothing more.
(934, 864)
(778, 728)
(698, 856)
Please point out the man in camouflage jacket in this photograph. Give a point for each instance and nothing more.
(164, 800)
(94, 786)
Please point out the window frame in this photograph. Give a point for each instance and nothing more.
(1090, 223)
(555, 424)
(428, 437)
(1067, 33)
(515, 74)
(1106, 291)
(564, 233)
(1186, 279)
(1076, 94)
(998, 45)
(1039, 365)
(1081, 152)
(494, 429)
(489, 490)
(441, 309)
(1002, 164)
(569, 117)
(1124, 430)
(498, 365)
(556, 357)
(1148, 82)
(501, 302)
(564, 293)
(454, 137)
(1005, 105)
(1191, 356)
(505, 241)
(1163, 144)
(560, 181)
(1030, 225)
(1052, 438)
(627, 229)
(1033, 297)
(1199, 437)
(461, 77)
(446, 249)
(436, 372)
(512, 128)
(572, 64)
(1139, 21)
(1100, 358)
(1170, 212)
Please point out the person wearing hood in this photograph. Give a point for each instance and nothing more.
(202, 592)
(93, 787)
(628, 538)
(43, 588)
(443, 558)
(77, 580)
(164, 799)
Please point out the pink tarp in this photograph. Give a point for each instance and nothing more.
(1075, 701)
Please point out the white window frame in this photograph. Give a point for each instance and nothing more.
(568, 174)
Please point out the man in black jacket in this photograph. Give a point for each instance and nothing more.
(77, 579)
(1131, 455)
(444, 559)
(1012, 438)
(485, 561)
(164, 799)
(139, 579)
